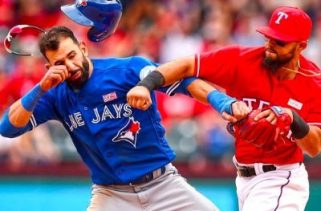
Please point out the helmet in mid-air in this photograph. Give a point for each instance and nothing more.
(102, 15)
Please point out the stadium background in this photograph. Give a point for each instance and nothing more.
(41, 170)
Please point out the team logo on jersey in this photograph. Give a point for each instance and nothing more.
(109, 97)
(129, 132)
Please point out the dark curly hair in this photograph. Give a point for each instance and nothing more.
(50, 40)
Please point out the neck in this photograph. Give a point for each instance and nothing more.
(289, 70)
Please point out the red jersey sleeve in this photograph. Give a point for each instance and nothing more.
(219, 66)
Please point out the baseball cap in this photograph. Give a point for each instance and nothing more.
(288, 24)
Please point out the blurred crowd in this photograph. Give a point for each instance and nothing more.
(161, 30)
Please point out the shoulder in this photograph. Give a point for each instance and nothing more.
(120, 63)
(306, 63)
(310, 70)
(110, 62)
(237, 50)
(140, 62)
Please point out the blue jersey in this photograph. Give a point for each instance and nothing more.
(118, 143)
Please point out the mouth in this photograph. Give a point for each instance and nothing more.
(75, 76)
(269, 52)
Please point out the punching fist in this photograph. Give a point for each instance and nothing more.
(139, 97)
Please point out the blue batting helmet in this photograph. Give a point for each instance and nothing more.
(102, 15)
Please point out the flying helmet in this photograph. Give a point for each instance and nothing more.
(101, 15)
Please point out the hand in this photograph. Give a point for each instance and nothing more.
(260, 133)
(263, 128)
(54, 76)
(239, 110)
(278, 116)
(139, 97)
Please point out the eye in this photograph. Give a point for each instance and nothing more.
(59, 63)
(71, 56)
(280, 43)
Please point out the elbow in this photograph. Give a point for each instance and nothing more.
(315, 152)
(312, 155)
(7, 134)
(8, 130)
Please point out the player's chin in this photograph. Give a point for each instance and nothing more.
(77, 83)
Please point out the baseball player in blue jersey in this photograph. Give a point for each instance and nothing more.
(124, 148)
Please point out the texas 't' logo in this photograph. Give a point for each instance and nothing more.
(281, 16)
(128, 132)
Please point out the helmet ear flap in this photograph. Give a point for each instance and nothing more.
(96, 34)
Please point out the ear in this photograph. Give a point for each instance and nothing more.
(83, 48)
(303, 45)
(47, 66)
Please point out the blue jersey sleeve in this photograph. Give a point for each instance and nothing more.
(45, 109)
(139, 68)
(178, 87)
(43, 112)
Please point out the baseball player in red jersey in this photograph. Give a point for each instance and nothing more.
(272, 76)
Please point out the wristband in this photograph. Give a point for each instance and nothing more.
(29, 101)
(299, 127)
(152, 81)
(221, 102)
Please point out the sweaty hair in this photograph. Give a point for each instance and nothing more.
(50, 40)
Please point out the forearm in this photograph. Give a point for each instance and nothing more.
(206, 93)
(168, 74)
(199, 90)
(311, 142)
(177, 70)
(19, 113)
(308, 137)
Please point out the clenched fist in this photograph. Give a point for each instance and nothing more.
(139, 97)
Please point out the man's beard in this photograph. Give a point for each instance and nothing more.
(274, 64)
(77, 84)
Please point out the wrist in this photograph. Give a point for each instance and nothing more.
(30, 100)
(43, 86)
(152, 81)
(221, 102)
(298, 126)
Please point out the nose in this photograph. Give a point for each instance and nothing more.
(268, 43)
(70, 66)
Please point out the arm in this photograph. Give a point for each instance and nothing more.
(311, 143)
(177, 70)
(231, 109)
(168, 73)
(20, 112)
(308, 137)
